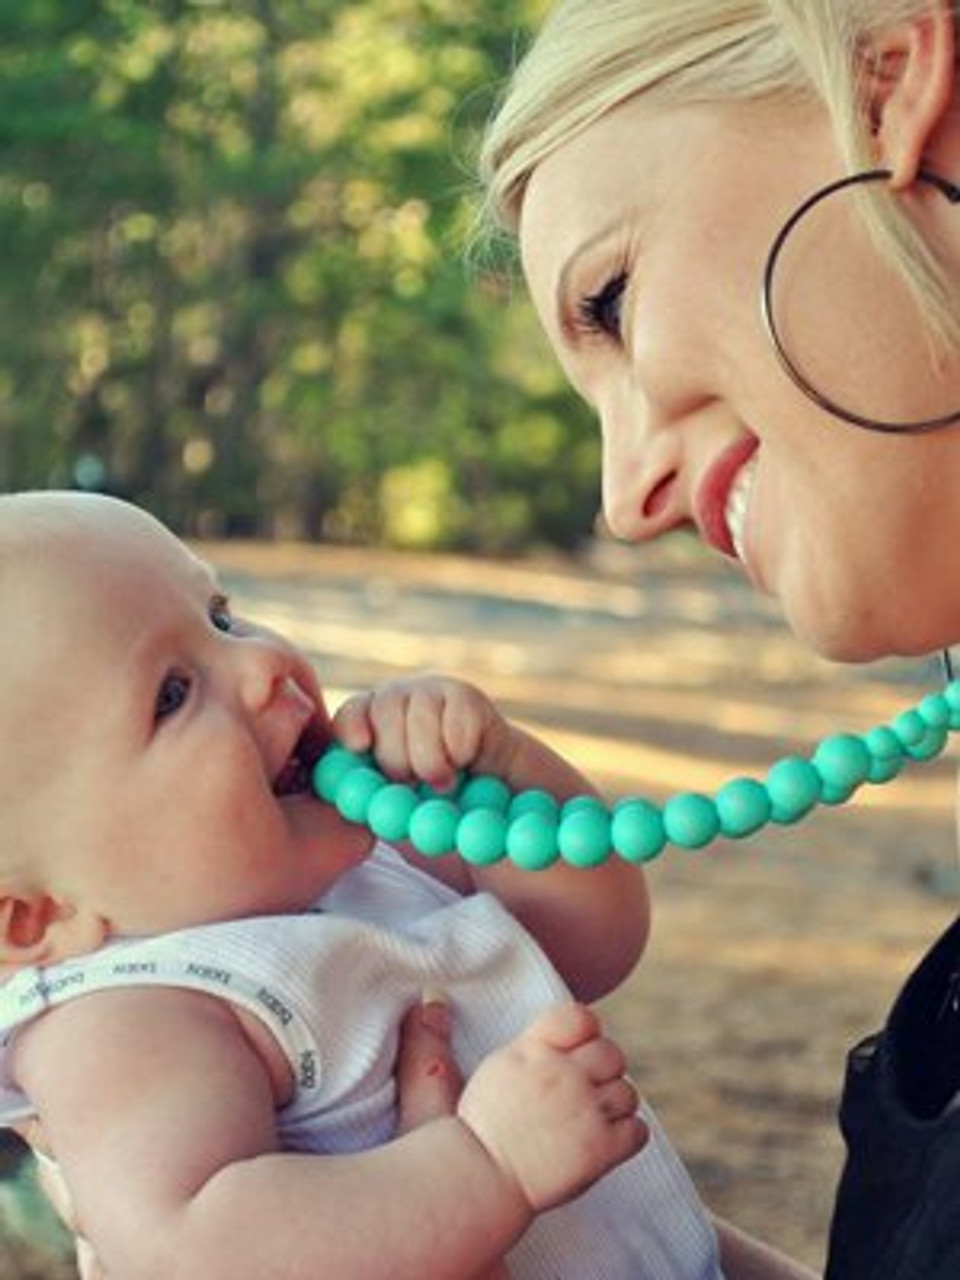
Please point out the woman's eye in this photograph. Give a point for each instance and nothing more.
(220, 614)
(171, 696)
(600, 312)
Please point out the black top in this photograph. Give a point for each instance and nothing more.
(897, 1215)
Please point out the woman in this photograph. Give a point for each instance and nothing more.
(663, 163)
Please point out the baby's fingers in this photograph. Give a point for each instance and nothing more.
(376, 721)
(618, 1098)
(352, 724)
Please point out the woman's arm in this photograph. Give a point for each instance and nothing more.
(592, 924)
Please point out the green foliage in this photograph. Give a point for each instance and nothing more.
(235, 286)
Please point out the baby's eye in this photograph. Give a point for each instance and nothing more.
(220, 614)
(600, 312)
(172, 694)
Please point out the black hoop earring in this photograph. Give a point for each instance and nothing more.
(947, 189)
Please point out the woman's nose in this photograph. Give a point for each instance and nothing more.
(641, 474)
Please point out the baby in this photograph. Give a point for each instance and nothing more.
(205, 967)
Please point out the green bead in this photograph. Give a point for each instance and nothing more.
(834, 795)
(691, 820)
(930, 745)
(951, 696)
(583, 836)
(330, 770)
(483, 792)
(886, 754)
(576, 803)
(636, 831)
(356, 790)
(934, 710)
(482, 836)
(909, 727)
(843, 761)
(534, 801)
(390, 811)
(433, 827)
(794, 787)
(743, 807)
(532, 842)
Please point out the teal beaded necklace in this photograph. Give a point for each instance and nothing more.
(483, 821)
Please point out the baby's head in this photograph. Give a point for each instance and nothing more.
(156, 749)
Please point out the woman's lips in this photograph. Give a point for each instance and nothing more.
(712, 507)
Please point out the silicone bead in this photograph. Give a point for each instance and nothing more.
(843, 761)
(952, 696)
(743, 807)
(575, 803)
(831, 794)
(930, 745)
(433, 827)
(584, 835)
(886, 754)
(481, 836)
(332, 768)
(690, 820)
(390, 811)
(534, 801)
(356, 791)
(484, 792)
(532, 842)
(636, 831)
(794, 786)
(934, 710)
(909, 727)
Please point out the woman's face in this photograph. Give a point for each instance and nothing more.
(644, 240)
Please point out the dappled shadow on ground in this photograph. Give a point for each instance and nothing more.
(659, 671)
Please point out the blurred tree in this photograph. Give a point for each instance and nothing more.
(235, 286)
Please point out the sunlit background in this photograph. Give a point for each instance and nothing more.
(241, 282)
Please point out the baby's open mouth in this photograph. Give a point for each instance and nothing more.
(295, 777)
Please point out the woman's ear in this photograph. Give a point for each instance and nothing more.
(36, 929)
(910, 76)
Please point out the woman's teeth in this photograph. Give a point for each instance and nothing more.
(738, 500)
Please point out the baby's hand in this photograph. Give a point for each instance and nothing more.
(427, 728)
(553, 1108)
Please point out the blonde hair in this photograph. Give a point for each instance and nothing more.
(592, 55)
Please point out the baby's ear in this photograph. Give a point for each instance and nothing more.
(36, 929)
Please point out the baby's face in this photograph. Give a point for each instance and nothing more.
(161, 745)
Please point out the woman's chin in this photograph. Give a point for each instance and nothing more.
(844, 637)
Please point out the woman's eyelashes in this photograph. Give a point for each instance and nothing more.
(601, 312)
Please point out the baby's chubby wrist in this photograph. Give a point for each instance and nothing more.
(504, 1180)
(499, 1209)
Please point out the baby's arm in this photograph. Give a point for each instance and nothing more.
(593, 924)
(161, 1114)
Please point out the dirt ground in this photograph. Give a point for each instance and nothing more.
(659, 671)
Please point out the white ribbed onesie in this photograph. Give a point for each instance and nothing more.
(332, 985)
